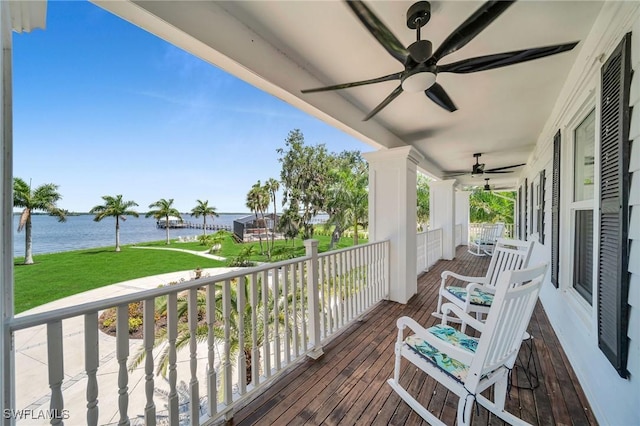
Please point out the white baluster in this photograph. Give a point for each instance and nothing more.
(172, 334)
(212, 385)
(264, 288)
(55, 360)
(255, 351)
(323, 300)
(91, 361)
(194, 389)
(285, 308)
(275, 285)
(226, 313)
(334, 292)
(242, 360)
(148, 321)
(294, 309)
(122, 353)
(303, 311)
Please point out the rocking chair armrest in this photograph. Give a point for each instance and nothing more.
(476, 286)
(462, 315)
(442, 346)
(447, 274)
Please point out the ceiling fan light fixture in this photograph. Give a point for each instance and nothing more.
(418, 82)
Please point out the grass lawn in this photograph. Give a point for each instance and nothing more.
(59, 275)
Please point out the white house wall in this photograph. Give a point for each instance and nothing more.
(614, 400)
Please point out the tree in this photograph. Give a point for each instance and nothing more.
(162, 210)
(238, 315)
(347, 199)
(114, 207)
(43, 198)
(258, 202)
(304, 179)
(423, 201)
(484, 206)
(203, 209)
(272, 186)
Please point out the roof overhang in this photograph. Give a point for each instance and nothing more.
(283, 47)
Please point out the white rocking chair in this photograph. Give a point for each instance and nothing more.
(483, 243)
(507, 255)
(467, 365)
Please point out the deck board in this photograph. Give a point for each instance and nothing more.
(347, 385)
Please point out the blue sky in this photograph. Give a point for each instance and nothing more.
(102, 107)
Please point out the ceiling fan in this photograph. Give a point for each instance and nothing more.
(421, 64)
(478, 169)
(488, 187)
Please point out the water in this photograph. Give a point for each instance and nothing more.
(81, 232)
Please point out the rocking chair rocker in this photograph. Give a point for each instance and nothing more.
(467, 365)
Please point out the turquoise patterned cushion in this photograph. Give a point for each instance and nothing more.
(452, 367)
(478, 297)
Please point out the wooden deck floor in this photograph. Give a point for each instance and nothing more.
(348, 384)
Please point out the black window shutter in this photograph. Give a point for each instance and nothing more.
(531, 206)
(613, 275)
(520, 213)
(555, 211)
(540, 217)
(524, 210)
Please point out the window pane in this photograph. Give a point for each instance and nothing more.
(583, 254)
(584, 139)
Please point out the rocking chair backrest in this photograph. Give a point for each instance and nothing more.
(508, 255)
(507, 321)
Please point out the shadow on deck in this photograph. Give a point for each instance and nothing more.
(348, 384)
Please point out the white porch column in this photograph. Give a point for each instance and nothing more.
(442, 214)
(6, 209)
(462, 214)
(392, 214)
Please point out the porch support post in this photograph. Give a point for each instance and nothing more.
(6, 208)
(442, 214)
(462, 214)
(392, 214)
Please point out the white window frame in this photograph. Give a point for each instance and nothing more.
(583, 309)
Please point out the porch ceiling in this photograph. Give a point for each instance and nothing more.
(283, 47)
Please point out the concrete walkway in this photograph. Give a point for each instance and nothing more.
(32, 389)
(194, 252)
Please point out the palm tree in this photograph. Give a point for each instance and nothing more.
(114, 207)
(236, 318)
(258, 201)
(162, 209)
(203, 209)
(272, 186)
(43, 198)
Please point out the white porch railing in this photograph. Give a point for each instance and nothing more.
(475, 229)
(238, 330)
(429, 249)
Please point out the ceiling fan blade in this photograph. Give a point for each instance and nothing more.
(504, 168)
(496, 172)
(454, 173)
(379, 30)
(395, 76)
(470, 28)
(384, 103)
(489, 62)
(438, 95)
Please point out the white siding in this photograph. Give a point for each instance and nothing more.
(634, 204)
(614, 400)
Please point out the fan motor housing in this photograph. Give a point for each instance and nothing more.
(418, 14)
